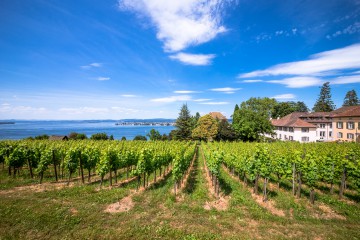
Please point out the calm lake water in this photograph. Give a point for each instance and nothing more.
(23, 129)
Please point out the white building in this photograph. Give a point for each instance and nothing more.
(292, 128)
(323, 123)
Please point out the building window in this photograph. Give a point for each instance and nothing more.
(304, 129)
(350, 125)
(339, 135)
(304, 139)
(291, 138)
(330, 125)
(279, 136)
(330, 134)
(280, 128)
(339, 125)
(350, 136)
(358, 125)
(322, 133)
(291, 129)
(322, 125)
(285, 129)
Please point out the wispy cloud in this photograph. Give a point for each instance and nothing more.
(319, 64)
(299, 82)
(128, 95)
(227, 90)
(82, 110)
(202, 100)
(172, 99)
(185, 91)
(351, 29)
(252, 81)
(103, 78)
(284, 96)
(91, 65)
(196, 21)
(193, 59)
(346, 79)
(214, 103)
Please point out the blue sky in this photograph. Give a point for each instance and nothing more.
(109, 59)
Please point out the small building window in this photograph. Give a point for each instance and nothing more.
(322, 133)
(339, 135)
(350, 125)
(304, 139)
(291, 138)
(330, 125)
(304, 129)
(285, 129)
(322, 125)
(330, 134)
(339, 125)
(350, 136)
(291, 129)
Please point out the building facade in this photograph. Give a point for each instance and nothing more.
(346, 122)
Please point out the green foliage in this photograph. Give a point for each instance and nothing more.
(351, 99)
(77, 136)
(252, 118)
(207, 128)
(183, 124)
(324, 102)
(72, 160)
(140, 138)
(154, 135)
(282, 109)
(42, 137)
(99, 136)
(226, 131)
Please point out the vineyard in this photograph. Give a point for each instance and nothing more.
(179, 190)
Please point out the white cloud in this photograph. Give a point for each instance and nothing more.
(82, 110)
(103, 78)
(214, 103)
(7, 108)
(180, 23)
(227, 90)
(299, 82)
(172, 99)
(193, 59)
(128, 95)
(202, 100)
(346, 79)
(319, 64)
(284, 96)
(252, 81)
(91, 65)
(5, 104)
(185, 91)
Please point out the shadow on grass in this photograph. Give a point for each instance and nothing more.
(192, 181)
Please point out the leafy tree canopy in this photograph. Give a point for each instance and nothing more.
(183, 124)
(324, 102)
(99, 136)
(206, 129)
(154, 135)
(140, 138)
(351, 99)
(282, 109)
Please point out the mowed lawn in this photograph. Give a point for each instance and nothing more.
(77, 211)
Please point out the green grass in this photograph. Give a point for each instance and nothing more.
(78, 212)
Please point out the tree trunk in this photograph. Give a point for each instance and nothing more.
(139, 182)
(218, 187)
(245, 179)
(155, 176)
(101, 181)
(342, 184)
(89, 174)
(127, 172)
(14, 172)
(110, 178)
(144, 180)
(30, 169)
(332, 188)
(298, 194)
(312, 196)
(278, 183)
(147, 179)
(41, 177)
(265, 190)
(293, 179)
(175, 188)
(256, 184)
(160, 172)
(81, 169)
(54, 162)
(9, 171)
(115, 176)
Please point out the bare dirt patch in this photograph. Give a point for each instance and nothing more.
(123, 205)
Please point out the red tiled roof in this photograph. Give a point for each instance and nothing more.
(292, 120)
(349, 111)
(217, 115)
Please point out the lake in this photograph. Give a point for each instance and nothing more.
(23, 128)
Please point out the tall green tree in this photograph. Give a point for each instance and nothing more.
(225, 132)
(282, 109)
(194, 120)
(351, 99)
(183, 124)
(206, 129)
(324, 102)
(253, 118)
(154, 135)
